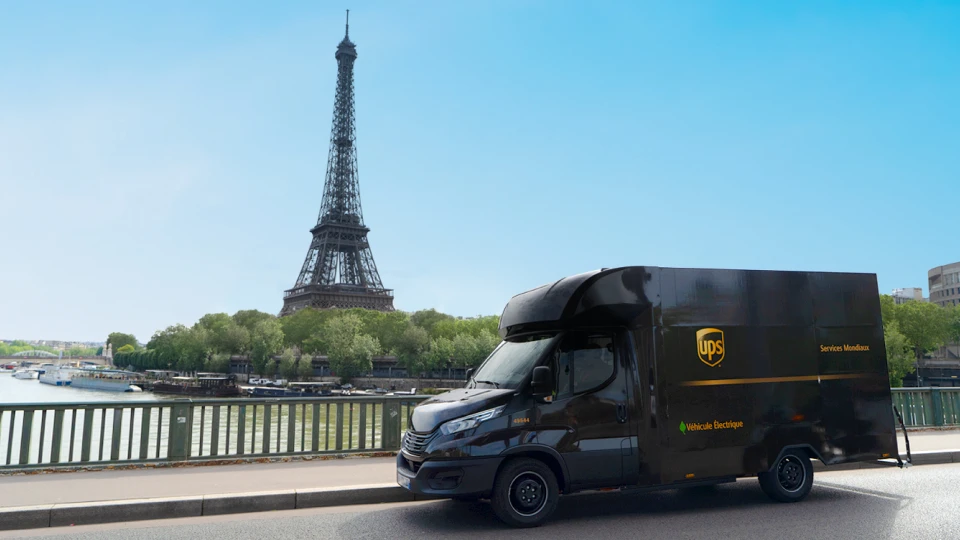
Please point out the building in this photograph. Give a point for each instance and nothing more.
(944, 284)
(902, 296)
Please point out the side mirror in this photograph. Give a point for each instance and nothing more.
(542, 382)
(469, 374)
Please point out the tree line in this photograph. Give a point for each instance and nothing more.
(422, 341)
(913, 329)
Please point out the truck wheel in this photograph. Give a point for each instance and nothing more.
(790, 480)
(525, 493)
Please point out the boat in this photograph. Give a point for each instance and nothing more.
(26, 374)
(201, 385)
(61, 376)
(108, 380)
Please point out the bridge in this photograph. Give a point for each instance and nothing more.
(34, 354)
(166, 436)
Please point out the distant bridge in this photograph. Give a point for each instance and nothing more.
(36, 354)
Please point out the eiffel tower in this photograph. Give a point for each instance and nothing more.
(339, 271)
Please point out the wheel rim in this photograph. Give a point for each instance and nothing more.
(791, 474)
(528, 494)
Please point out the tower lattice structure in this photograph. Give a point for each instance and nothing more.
(339, 271)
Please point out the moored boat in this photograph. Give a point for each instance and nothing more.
(26, 374)
(107, 380)
(58, 377)
(205, 385)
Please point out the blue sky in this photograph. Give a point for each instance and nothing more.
(162, 160)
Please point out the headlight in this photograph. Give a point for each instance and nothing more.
(471, 421)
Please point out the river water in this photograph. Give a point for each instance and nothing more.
(302, 423)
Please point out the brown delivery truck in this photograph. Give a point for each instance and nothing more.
(643, 378)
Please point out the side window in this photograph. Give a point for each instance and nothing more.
(584, 363)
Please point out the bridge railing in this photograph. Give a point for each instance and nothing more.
(71, 435)
(928, 407)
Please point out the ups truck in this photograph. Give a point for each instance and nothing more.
(651, 378)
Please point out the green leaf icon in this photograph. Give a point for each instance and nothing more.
(683, 428)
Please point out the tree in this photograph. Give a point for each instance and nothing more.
(270, 370)
(128, 348)
(439, 354)
(193, 349)
(900, 359)
(302, 324)
(428, 319)
(119, 339)
(250, 318)
(167, 344)
(349, 351)
(225, 335)
(218, 363)
(925, 325)
(266, 339)
(953, 317)
(411, 350)
(288, 365)
(305, 367)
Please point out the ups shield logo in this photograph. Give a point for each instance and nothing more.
(710, 346)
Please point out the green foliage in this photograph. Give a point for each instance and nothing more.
(900, 360)
(411, 350)
(350, 351)
(925, 325)
(288, 365)
(128, 348)
(271, 368)
(218, 363)
(428, 320)
(305, 367)
(913, 329)
(119, 339)
(302, 324)
(266, 339)
(250, 318)
(423, 341)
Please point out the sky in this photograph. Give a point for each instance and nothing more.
(163, 160)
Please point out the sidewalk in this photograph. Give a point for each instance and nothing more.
(74, 487)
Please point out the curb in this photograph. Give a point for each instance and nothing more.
(89, 513)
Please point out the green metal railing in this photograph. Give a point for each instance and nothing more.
(70, 435)
(933, 407)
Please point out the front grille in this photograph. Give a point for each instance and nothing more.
(415, 443)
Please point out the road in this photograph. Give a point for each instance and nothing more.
(916, 503)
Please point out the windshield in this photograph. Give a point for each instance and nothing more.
(511, 361)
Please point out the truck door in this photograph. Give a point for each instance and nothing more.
(588, 420)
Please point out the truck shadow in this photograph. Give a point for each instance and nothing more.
(739, 509)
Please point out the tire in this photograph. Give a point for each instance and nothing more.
(790, 479)
(525, 493)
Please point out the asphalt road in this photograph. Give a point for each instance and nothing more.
(915, 503)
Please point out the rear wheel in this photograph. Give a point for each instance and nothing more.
(525, 493)
(791, 478)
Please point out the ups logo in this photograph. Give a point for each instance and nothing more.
(710, 346)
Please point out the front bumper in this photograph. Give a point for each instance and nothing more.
(455, 477)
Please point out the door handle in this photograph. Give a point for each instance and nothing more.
(621, 413)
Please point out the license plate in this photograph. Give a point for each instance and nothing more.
(403, 481)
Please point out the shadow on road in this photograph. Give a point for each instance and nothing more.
(737, 510)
